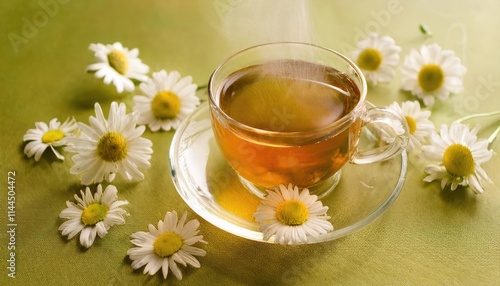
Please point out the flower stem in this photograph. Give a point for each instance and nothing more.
(200, 87)
(478, 115)
(424, 30)
(494, 135)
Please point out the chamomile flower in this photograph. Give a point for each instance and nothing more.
(111, 146)
(419, 125)
(44, 136)
(167, 101)
(292, 216)
(376, 57)
(432, 72)
(460, 155)
(92, 215)
(118, 65)
(166, 246)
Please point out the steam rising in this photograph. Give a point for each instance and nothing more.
(289, 76)
(253, 22)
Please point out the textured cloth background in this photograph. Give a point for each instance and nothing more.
(428, 237)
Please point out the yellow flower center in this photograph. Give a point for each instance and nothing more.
(292, 212)
(458, 160)
(112, 147)
(118, 61)
(369, 59)
(167, 244)
(412, 124)
(52, 136)
(165, 105)
(430, 77)
(94, 213)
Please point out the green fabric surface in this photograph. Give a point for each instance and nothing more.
(428, 237)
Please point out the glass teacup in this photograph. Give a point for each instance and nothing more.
(292, 113)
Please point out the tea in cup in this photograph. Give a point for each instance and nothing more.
(292, 113)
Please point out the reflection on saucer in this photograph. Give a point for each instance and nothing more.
(226, 187)
(212, 189)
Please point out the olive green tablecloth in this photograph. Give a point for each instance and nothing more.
(428, 237)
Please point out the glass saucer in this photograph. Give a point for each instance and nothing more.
(212, 189)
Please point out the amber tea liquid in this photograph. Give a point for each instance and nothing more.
(292, 105)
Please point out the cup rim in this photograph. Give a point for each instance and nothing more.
(340, 122)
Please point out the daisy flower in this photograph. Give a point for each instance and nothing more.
(167, 101)
(291, 216)
(107, 147)
(118, 65)
(44, 136)
(166, 246)
(460, 154)
(376, 57)
(419, 125)
(92, 215)
(432, 72)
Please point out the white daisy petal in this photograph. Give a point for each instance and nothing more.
(42, 126)
(175, 269)
(52, 135)
(460, 154)
(162, 112)
(101, 229)
(432, 73)
(137, 252)
(87, 236)
(420, 126)
(138, 263)
(71, 227)
(58, 155)
(164, 268)
(475, 185)
(153, 266)
(306, 217)
(143, 239)
(111, 146)
(71, 211)
(377, 57)
(95, 221)
(107, 75)
(117, 65)
(166, 246)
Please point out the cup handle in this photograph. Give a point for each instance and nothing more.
(390, 128)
